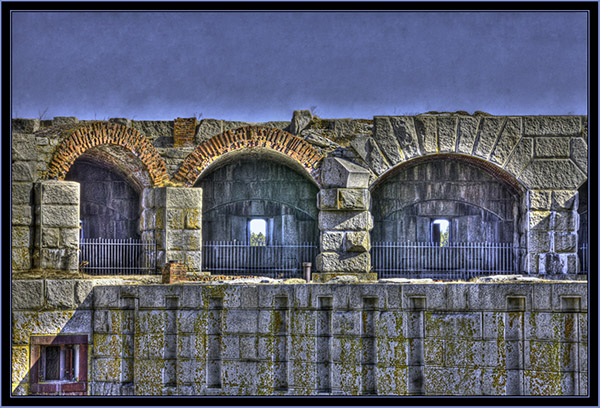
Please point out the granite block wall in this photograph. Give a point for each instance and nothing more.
(517, 337)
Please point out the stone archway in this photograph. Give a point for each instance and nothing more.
(106, 135)
(248, 137)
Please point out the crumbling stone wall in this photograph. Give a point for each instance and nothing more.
(545, 157)
(519, 337)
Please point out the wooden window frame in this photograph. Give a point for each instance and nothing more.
(37, 386)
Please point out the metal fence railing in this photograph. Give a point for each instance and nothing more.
(275, 261)
(456, 260)
(103, 256)
(583, 258)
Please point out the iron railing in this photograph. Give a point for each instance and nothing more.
(455, 260)
(275, 261)
(103, 256)
(583, 258)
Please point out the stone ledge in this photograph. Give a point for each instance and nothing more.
(323, 277)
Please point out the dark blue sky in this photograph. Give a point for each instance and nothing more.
(262, 66)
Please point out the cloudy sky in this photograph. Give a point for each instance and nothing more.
(261, 66)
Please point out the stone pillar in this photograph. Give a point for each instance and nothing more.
(173, 216)
(552, 224)
(56, 240)
(344, 221)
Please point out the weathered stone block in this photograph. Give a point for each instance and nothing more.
(539, 199)
(23, 171)
(59, 216)
(20, 258)
(300, 120)
(345, 323)
(26, 324)
(21, 193)
(59, 293)
(50, 237)
(181, 197)
(27, 294)
(552, 147)
(552, 263)
(542, 326)
(21, 237)
(435, 296)
(565, 200)
(23, 147)
(328, 199)
(65, 121)
(369, 151)
(106, 297)
(57, 192)
(175, 219)
(193, 219)
(539, 220)
(336, 172)
(464, 353)
(388, 135)
(579, 153)
(520, 157)
(467, 131)
(539, 241)
(331, 241)
(69, 238)
(359, 241)
(333, 262)
(22, 215)
(566, 221)
(240, 321)
(345, 221)
(186, 240)
(489, 129)
(446, 131)
(509, 137)
(552, 174)
(20, 364)
(426, 127)
(19, 125)
(565, 242)
(353, 199)
(552, 125)
(541, 298)
(560, 291)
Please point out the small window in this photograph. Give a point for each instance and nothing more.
(258, 232)
(440, 232)
(59, 365)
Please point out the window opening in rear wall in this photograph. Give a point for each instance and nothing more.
(257, 228)
(440, 232)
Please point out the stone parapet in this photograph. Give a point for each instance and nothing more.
(495, 337)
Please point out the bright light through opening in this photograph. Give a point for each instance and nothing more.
(444, 225)
(258, 232)
(258, 226)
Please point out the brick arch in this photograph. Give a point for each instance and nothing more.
(99, 134)
(243, 138)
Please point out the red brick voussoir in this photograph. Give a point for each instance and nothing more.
(103, 133)
(248, 137)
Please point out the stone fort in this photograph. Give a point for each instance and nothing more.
(436, 254)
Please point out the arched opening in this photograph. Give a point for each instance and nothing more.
(259, 215)
(582, 234)
(110, 185)
(445, 218)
